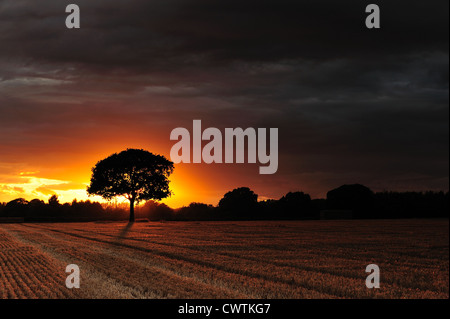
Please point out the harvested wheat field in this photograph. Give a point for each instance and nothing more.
(274, 259)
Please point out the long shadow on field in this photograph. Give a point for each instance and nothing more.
(121, 235)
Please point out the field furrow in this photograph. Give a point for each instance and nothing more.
(310, 259)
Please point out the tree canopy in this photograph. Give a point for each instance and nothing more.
(240, 201)
(135, 174)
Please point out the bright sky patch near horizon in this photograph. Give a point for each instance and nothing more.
(352, 105)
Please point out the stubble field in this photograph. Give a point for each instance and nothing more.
(276, 259)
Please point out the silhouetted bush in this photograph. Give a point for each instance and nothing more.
(412, 204)
(240, 203)
(268, 209)
(357, 198)
(36, 208)
(196, 211)
(53, 201)
(38, 211)
(295, 205)
(16, 208)
(156, 211)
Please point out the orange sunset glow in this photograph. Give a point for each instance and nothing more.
(70, 182)
(68, 176)
(343, 115)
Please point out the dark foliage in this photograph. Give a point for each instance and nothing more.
(38, 211)
(242, 204)
(412, 204)
(196, 211)
(357, 198)
(156, 211)
(136, 174)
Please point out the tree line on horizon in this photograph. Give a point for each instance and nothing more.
(348, 201)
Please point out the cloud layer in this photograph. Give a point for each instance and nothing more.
(351, 104)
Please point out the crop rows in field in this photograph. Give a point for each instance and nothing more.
(310, 259)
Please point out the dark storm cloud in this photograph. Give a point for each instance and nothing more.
(350, 102)
(159, 33)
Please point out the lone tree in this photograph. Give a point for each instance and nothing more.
(135, 174)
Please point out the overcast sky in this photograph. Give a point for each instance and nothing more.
(352, 105)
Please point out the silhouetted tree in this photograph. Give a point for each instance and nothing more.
(196, 211)
(412, 204)
(36, 202)
(53, 201)
(294, 203)
(36, 207)
(358, 198)
(241, 202)
(17, 202)
(135, 174)
(268, 209)
(157, 211)
(16, 207)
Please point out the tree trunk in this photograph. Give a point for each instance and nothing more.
(132, 210)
